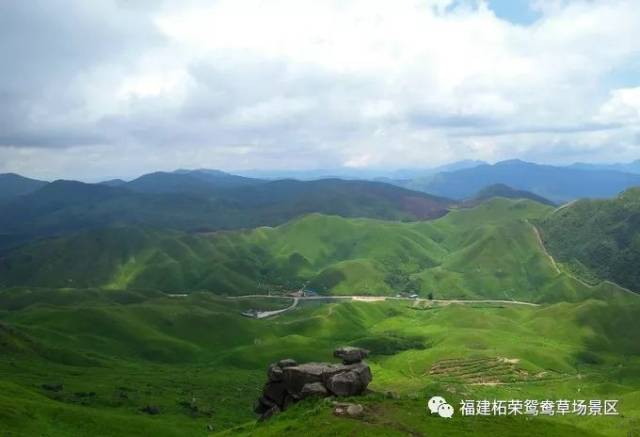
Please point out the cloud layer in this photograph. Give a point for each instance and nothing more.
(115, 88)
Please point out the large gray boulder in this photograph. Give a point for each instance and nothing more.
(274, 373)
(289, 382)
(350, 382)
(313, 389)
(262, 405)
(275, 392)
(297, 376)
(287, 362)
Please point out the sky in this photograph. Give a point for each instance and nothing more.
(117, 88)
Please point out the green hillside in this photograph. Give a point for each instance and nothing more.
(490, 251)
(598, 239)
(202, 364)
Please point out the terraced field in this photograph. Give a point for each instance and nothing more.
(479, 370)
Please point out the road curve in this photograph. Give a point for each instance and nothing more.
(265, 314)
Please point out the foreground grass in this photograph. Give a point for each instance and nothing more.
(202, 364)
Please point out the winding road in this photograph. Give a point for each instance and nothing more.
(265, 314)
(296, 300)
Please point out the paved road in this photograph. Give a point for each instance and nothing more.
(264, 314)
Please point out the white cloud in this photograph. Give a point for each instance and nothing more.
(352, 82)
(623, 106)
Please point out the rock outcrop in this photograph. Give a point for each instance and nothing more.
(289, 382)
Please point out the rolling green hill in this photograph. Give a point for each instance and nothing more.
(89, 339)
(490, 251)
(598, 239)
(86, 362)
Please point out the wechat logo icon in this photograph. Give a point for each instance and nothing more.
(438, 405)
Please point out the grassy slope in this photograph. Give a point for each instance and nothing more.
(134, 349)
(489, 251)
(598, 239)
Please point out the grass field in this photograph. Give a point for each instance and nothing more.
(202, 364)
(90, 341)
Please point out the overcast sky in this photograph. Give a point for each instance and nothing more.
(116, 88)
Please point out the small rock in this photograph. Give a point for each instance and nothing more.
(151, 409)
(347, 409)
(355, 410)
(391, 394)
(190, 405)
(270, 412)
(53, 387)
(351, 355)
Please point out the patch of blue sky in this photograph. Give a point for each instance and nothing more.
(517, 12)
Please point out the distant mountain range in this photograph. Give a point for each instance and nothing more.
(12, 185)
(558, 184)
(189, 181)
(380, 175)
(461, 180)
(631, 167)
(207, 200)
(204, 201)
(458, 180)
(501, 190)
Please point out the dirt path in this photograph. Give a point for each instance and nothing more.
(555, 265)
(561, 207)
(543, 247)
